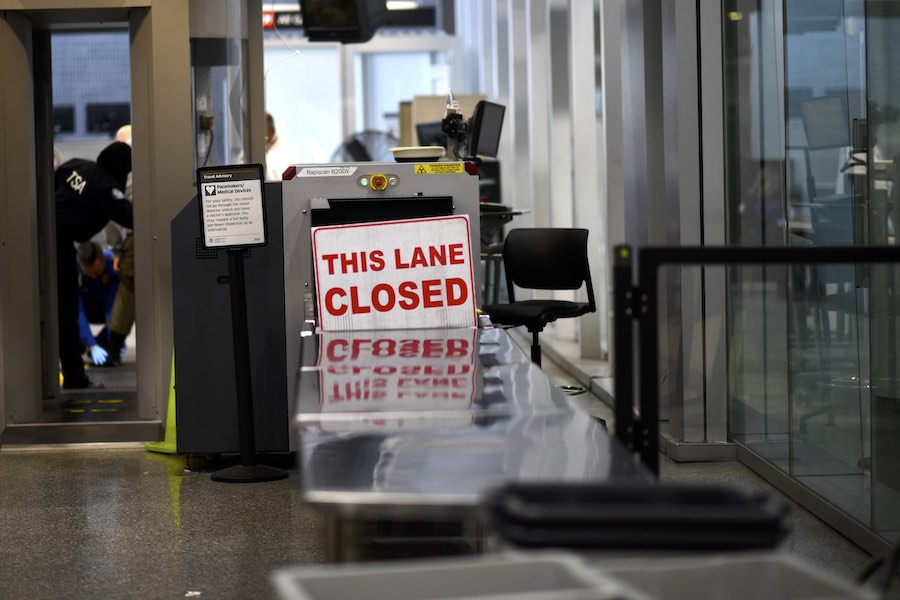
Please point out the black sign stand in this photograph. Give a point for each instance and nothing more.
(236, 191)
(248, 471)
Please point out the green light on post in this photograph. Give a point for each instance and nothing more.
(624, 253)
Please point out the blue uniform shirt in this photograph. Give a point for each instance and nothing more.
(95, 299)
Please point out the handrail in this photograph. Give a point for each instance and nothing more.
(638, 427)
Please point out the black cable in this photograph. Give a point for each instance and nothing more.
(460, 145)
(208, 147)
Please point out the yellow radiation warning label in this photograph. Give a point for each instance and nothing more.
(440, 168)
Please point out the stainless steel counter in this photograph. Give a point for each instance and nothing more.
(430, 420)
(426, 422)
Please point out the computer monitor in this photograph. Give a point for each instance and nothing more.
(345, 21)
(430, 134)
(825, 119)
(484, 128)
(107, 117)
(64, 119)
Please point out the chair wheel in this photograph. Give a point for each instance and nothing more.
(572, 390)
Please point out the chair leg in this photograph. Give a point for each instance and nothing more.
(535, 349)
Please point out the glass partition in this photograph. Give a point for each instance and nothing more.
(308, 121)
(219, 82)
(882, 56)
(357, 91)
(809, 416)
(88, 108)
(812, 131)
(425, 72)
(756, 168)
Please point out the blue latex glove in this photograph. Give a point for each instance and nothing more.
(98, 355)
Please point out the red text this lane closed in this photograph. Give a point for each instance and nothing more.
(433, 293)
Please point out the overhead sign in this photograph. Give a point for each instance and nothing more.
(283, 19)
(416, 273)
(232, 212)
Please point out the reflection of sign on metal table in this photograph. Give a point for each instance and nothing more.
(381, 372)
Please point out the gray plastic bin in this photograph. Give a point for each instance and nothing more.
(544, 576)
(771, 576)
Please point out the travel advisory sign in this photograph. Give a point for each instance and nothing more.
(395, 275)
(231, 206)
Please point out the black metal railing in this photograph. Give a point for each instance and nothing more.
(637, 426)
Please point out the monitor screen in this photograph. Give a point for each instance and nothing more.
(330, 13)
(430, 134)
(826, 122)
(63, 119)
(107, 117)
(342, 20)
(484, 128)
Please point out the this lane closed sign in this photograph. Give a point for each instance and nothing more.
(395, 275)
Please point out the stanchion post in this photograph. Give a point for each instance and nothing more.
(623, 345)
(648, 352)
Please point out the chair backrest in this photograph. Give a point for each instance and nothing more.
(552, 258)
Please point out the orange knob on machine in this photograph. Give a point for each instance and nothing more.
(378, 182)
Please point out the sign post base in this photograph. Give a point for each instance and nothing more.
(249, 474)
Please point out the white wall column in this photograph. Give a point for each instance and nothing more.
(587, 167)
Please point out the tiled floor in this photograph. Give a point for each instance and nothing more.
(126, 523)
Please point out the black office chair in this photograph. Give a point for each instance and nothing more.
(543, 259)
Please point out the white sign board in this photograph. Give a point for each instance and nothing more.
(407, 274)
(231, 206)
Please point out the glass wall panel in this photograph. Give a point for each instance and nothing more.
(89, 105)
(389, 78)
(312, 116)
(756, 215)
(306, 116)
(882, 33)
(219, 89)
(384, 79)
(812, 132)
(825, 125)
